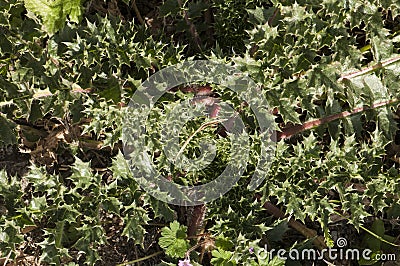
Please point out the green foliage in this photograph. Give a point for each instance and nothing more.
(7, 133)
(305, 55)
(54, 13)
(378, 242)
(10, 236)
(73, 212)
(245, 253)
(173, 240)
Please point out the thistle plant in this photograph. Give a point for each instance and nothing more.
(329, 72)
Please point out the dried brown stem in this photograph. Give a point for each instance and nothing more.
(208, 18)
(141, 259)
(196, 220)
(192, 28)
(305, 231)
(137, 12)
(370, 69)
(271, 19)
(288, 132)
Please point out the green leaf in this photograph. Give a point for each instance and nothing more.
(161, 209)
(276, 261)
(112, 205)
(35, 111)
(260, 15)
(7, 134)
(38, 204)
(54, 12)
(134, 218)
(276, 233)
(52, 246)
(82, 174)
(170, 7)
(222, 257)
(223, 243)
(111, 90)
(10, 193)
(394, 211)
(196, 8)
(10, 238)
(371, 241)
(92, 236)
(173, 240)
(5, 45)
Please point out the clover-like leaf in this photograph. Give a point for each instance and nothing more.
(55, 12)
(173, 240)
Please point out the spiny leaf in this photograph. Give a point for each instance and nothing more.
(7, 134)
